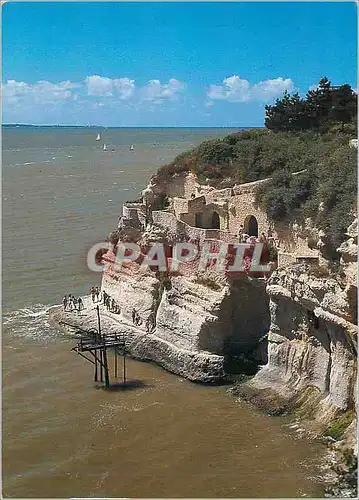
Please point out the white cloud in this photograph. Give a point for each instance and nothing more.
(12, 89)
(42, 92)
(269, 89)
(51, 92)
(99, 85)
(108, 91)
(233, 88)
(157, 92)
(125, 87)
(95, 96)
(236, 89)
(102, 86)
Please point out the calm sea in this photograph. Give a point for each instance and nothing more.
(62, 436)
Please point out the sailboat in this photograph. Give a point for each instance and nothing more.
(104, 147)
(98, 138)
(132, 148)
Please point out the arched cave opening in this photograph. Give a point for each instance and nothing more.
(215, 222)
(251, 226)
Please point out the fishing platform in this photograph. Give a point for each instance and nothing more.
(96, 344)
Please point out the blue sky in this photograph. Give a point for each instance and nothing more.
(168, 64)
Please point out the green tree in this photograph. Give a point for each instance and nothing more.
(319, 102)
(320, 110)
(344, 105)
(288, 113)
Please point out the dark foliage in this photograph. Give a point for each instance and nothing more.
(322, 108)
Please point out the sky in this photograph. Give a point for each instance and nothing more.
(168, 64)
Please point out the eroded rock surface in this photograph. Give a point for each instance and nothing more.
(312, 345)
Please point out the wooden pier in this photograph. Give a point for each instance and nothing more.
(96, 344)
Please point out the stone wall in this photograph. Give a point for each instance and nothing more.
(180, 206)
(234, 207)
(240, 208)
(285, 259)
(186, 231)
(233, 210)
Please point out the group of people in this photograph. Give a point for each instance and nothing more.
(246, 238)
(95, 294)
(71, 303)
(150, 322)
(110, 303)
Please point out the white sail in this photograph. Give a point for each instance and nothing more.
(104, 148)
(98, 138)
(132, 148)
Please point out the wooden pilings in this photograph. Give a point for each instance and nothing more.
(97, 344)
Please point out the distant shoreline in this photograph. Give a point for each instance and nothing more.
(19, 125)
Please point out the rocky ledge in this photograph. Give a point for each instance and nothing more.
(196, 366)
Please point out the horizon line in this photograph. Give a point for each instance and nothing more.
(126, 126)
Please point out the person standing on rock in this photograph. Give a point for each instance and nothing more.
(70, 303)
(113, 305)
(93, 294)
(64, 301)
(138, 319)
(80, 304)
(150, 323)
(134, 316)
(240, 233)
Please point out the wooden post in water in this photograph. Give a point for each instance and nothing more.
(101, 365)
(96, 375)
(124, 362)
(104, 353)
(115, 349)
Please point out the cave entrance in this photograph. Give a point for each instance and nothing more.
(215, 222)
(199, 220)
(251, 226)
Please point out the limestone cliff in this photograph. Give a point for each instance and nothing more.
(190, 325)
(312, 343)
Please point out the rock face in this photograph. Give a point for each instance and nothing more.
(187, 325)
(312, 341)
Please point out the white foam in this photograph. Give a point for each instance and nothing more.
(30, 322)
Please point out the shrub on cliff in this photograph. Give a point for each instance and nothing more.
(114, 236)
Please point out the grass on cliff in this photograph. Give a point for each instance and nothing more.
(337, 428)
(326, 192)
